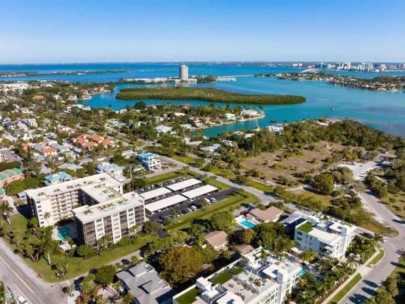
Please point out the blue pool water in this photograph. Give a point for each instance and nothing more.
(247, 224)
(63, 233)
(302, 272)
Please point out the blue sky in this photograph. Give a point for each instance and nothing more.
(50, 31)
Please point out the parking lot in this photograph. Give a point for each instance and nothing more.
(190, 205)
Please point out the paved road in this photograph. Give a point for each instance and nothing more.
(392, 248)
(22, 280)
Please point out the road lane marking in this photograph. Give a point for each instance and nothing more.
(16, 274)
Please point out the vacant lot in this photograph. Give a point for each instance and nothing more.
(276, 164)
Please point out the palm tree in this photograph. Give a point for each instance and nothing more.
(47, 216)
(346, 269)
(6, 210)
(352, 261)
(378, 237)
(325, 265)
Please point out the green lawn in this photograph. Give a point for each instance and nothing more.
(377, 258)
(167, 176)
(188, 297)
(259, 186)
(77, 265)
(226, 275)
(306, 227)
(215, 183)
(222, 172)
(339, 296)
(184, 159)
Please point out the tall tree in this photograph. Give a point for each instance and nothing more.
(180, 264)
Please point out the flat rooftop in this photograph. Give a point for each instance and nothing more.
(49, 191)
(199, 191)
(155, 193)
(101, 193)
(184, 184)
(324, 236)
(90, 213)
(164, 203)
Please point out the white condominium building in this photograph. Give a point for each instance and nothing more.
(264, 279)
(54, 203)
(113, 216)
(327, 237)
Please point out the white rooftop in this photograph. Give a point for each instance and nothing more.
(324, 236)
(200, 191)
(154, 193)
(90, 213)
(101, 193)
(230, 298)
(166, 202)
(184, 184)
(44, 192)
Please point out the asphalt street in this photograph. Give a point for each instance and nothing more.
(23, 281)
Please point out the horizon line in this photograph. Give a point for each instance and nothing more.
(202, 61)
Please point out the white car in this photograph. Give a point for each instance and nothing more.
(21, 300)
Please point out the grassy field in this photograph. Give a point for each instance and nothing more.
(157, 179)
(77, 265)
(184, 159)
(205, 94)
(283, 163)
(222, 172)
(339, 296)
(396, 202)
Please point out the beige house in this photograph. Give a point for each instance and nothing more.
(271, 214)
(217, 239)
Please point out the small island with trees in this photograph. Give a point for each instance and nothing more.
(379, 83)
(206, 94)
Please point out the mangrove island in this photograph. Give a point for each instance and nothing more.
(206, 94)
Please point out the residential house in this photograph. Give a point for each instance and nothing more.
(217, 239)
(150, 161)
(57, 178)
(163, 129)
(271, 214)
(143, 282)
(10, 175)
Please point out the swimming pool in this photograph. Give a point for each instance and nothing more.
(247, 224)
(63, 233)
(302, 272)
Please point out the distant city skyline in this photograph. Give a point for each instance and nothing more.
(46, 31)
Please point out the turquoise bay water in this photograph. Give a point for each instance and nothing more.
(382, 110)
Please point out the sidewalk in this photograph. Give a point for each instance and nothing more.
(363, 270)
